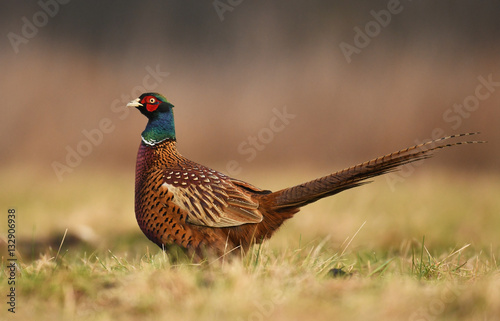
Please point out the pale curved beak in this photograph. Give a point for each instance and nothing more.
(134, 103)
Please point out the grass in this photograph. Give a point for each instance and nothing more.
(427, 251)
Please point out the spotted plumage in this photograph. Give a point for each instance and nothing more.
(182, 202)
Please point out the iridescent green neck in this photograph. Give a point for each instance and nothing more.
(159, 128)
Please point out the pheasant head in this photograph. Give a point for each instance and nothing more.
(159, 112)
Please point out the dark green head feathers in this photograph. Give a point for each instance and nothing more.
(160, 115)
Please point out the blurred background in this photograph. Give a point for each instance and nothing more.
(347, 80)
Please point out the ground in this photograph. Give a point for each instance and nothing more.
(423, 248)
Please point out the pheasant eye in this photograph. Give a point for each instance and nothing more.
(152, 100)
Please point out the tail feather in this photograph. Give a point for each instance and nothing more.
(357, 175)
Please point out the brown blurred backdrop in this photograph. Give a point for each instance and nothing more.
(234, 65)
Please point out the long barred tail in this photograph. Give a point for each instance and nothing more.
(314, 190)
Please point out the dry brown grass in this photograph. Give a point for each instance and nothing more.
(373, 234)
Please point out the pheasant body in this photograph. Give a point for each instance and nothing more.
(182, 202)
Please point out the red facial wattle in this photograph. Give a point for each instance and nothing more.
(150, 102)
(151, 107)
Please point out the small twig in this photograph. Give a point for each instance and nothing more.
(60, 245)
(352, 238)
(453, 253)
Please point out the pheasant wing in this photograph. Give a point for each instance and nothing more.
(210, 198)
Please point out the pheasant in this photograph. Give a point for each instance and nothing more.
(178, 201)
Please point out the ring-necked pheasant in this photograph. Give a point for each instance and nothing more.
(182, 202)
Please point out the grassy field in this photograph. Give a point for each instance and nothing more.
(426, 250)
